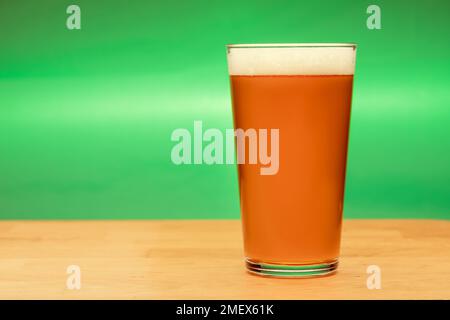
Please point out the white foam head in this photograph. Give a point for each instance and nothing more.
(292, 59)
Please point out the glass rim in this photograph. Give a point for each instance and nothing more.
(292, 45)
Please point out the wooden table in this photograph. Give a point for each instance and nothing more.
(203, 259)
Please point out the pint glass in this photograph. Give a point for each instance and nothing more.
(292, 217)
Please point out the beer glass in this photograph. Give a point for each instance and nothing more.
(292, 218)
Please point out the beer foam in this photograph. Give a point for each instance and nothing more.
(304, 59)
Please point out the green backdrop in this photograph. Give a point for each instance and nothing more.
(86, 115)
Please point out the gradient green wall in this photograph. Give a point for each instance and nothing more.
(86, 115)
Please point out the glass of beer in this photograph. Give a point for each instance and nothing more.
(292, 217)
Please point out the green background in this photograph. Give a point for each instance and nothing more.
(86, 115)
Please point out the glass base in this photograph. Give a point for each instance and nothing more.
(292, 270)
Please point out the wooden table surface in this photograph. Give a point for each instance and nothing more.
(203, 259)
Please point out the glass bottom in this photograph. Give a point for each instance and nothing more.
(292, 270)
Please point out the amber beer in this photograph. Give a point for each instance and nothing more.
(292, 219)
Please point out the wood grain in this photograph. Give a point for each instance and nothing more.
(203, 259)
